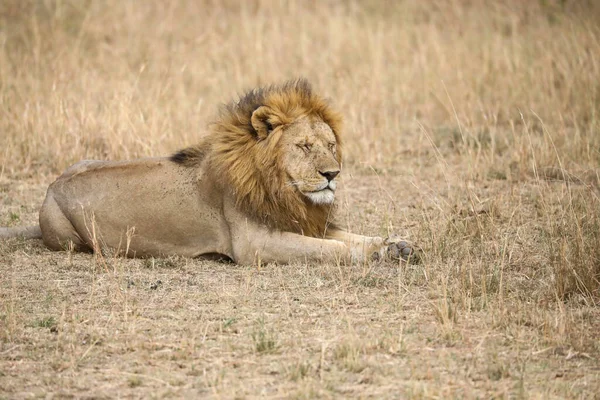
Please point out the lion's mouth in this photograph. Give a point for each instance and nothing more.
(330, 185)
(327, 189)
(323, 193)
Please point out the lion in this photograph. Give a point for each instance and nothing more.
(260, 187)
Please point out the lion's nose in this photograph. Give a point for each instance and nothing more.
(330, 175)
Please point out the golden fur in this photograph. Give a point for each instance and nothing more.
(255, 172)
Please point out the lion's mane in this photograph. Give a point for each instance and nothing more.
(237, 158)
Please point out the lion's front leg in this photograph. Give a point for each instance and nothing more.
(253, 243)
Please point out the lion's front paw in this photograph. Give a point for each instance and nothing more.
(402, 250)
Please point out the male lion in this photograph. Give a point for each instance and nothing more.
(260, 186)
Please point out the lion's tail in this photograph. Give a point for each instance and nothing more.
(25, 232)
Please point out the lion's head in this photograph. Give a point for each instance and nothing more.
(278, 149)
(309, 158)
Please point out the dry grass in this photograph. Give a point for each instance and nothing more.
(471, 126)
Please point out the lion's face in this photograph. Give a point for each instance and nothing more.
(310, 160)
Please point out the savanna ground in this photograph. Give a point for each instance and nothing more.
(472, 128)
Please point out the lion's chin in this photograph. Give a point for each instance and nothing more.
(325, 196)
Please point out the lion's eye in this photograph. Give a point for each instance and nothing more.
(305, 146)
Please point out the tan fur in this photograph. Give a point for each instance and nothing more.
(259, 187)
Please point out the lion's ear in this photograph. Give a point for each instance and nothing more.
(261, 121)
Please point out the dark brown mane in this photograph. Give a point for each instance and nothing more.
(252, 168)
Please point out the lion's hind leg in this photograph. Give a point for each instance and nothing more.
(58, 233)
